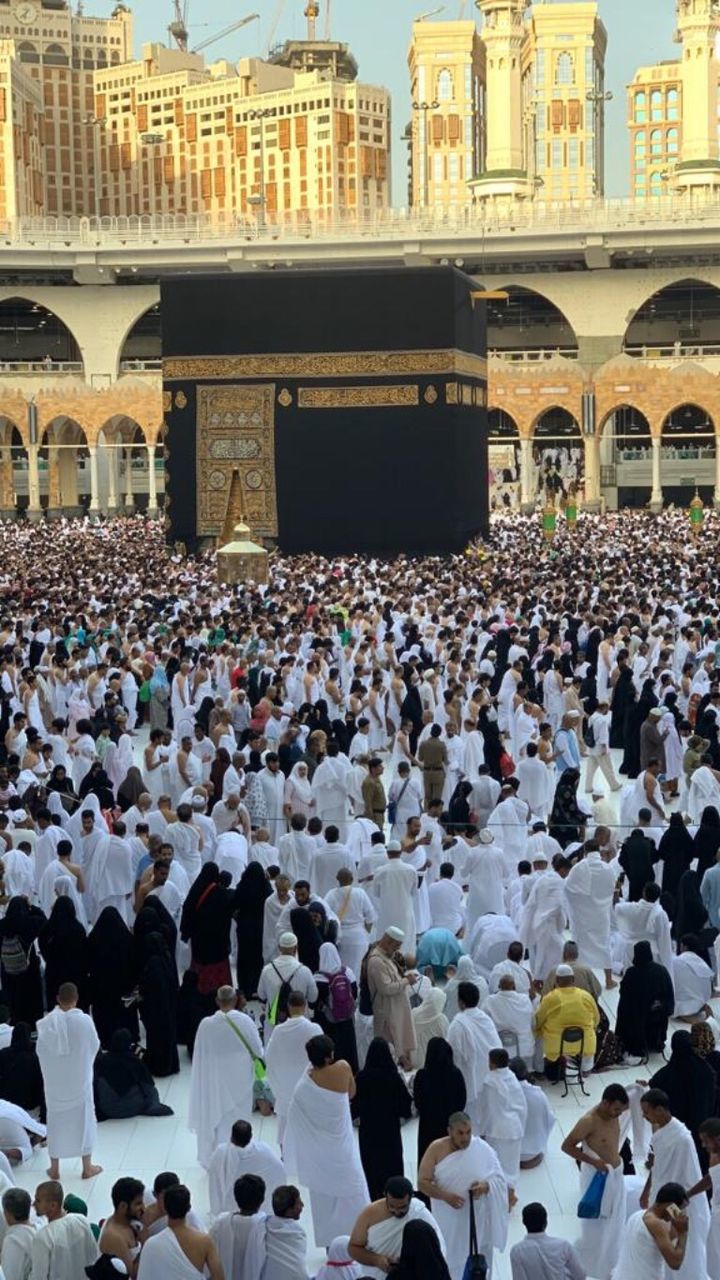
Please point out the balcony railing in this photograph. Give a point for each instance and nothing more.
(41, 366)
(674, 351)
(141, 366)
(533, 355)
(540, 216)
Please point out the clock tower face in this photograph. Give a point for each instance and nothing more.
(26, 12)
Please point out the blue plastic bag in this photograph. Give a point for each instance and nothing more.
(589, 1206)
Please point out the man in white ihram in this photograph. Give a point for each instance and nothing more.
(232, 1160)
(458, 1171)
(589, 893)
(223, 1074)
(472, 1035)
(67, 1045)
(285, 1056)
(65, 1246)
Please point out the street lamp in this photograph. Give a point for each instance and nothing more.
(259, 200)
(424, 107)
(91, 122)
(599, 97)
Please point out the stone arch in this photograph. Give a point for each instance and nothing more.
(126, 459)
(558, 452)
(530, 320)
(142, 341)
(628, 427)
(687, 422)
(64, 445)
(683, 315)
(503, 460)
(14, 411)
(33, 333)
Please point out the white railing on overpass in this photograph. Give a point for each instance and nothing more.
(541, 217)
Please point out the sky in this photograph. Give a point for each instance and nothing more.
(378, 31)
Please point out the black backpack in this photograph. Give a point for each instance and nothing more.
(278, 1012)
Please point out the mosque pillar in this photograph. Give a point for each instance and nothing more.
(7, 492)
(152, 481)
(112, 465)
(592, 472)
(129, 495)
(656, 497)
(526, 494)
(34, 511)
(54, 506)
(716, 495)
(94, 479)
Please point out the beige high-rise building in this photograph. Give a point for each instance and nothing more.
(563, 95)
(60, 50)
(447, 131)
(655, 124)
(252, 140)
(22, 124)
(674, 111)
(536, 78)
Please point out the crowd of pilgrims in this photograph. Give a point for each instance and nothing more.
(363, 818)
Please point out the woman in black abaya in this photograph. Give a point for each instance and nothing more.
(646, 1003)
(688, 1082)
(250, 897)
(123, 1084)
(438, 1090)
(21, 1080)
(623, 699)
(158, 1008)
(707, 841)
(19, 962)
(380, 1104)
(675, 851)
(63, 947)
(112, 977)
(205, 924)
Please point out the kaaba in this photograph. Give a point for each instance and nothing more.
(347, 408)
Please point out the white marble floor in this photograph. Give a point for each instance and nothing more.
(147, 1146)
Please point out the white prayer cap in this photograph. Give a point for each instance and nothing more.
(288, 940)
(539, 856)
(18, 815)
(564, 971)
(657, 711)
(573, 715)
(486, 837)
(198, 802)
(395, 933)
(288, 709)
(567, 680)
(395, 847)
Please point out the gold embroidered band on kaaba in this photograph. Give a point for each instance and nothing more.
(337, 364)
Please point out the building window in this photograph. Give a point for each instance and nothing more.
(445, 86)
(656, 105)
(540, 68)
(574, 153)
(640, 108)
(672, 104)
(640, 144)
(656, 146)
(565, 69)
(672, 142)
(468, 83)
(556, 157)
(437, 168)
(656, 183)
(453, 167)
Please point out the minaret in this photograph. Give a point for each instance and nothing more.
(698, 32)
(503, 34)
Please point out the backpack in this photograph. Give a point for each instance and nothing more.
(278, 1012)
(365, 1004)
(507, 765)
(341, 1001)
(589, 734)
(14, 957)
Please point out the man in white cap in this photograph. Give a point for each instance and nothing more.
(567, 747)
(285, 1056)
(535, 783)
(652, 739)
(388, 989)
(393, 886)
(204, 824)
(281, 976)
(484, 874)
(590, 893)
(544, 916)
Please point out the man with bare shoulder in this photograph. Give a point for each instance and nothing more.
(595, 1144)
(655, 1238)
(119, 1236)
(178, 1252)
(377, 1236)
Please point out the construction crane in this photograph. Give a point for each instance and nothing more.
(312, 13)
(277, 15)
(178, 27)
(228, 31)
(328, 19)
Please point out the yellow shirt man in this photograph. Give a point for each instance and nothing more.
(566, 1006)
